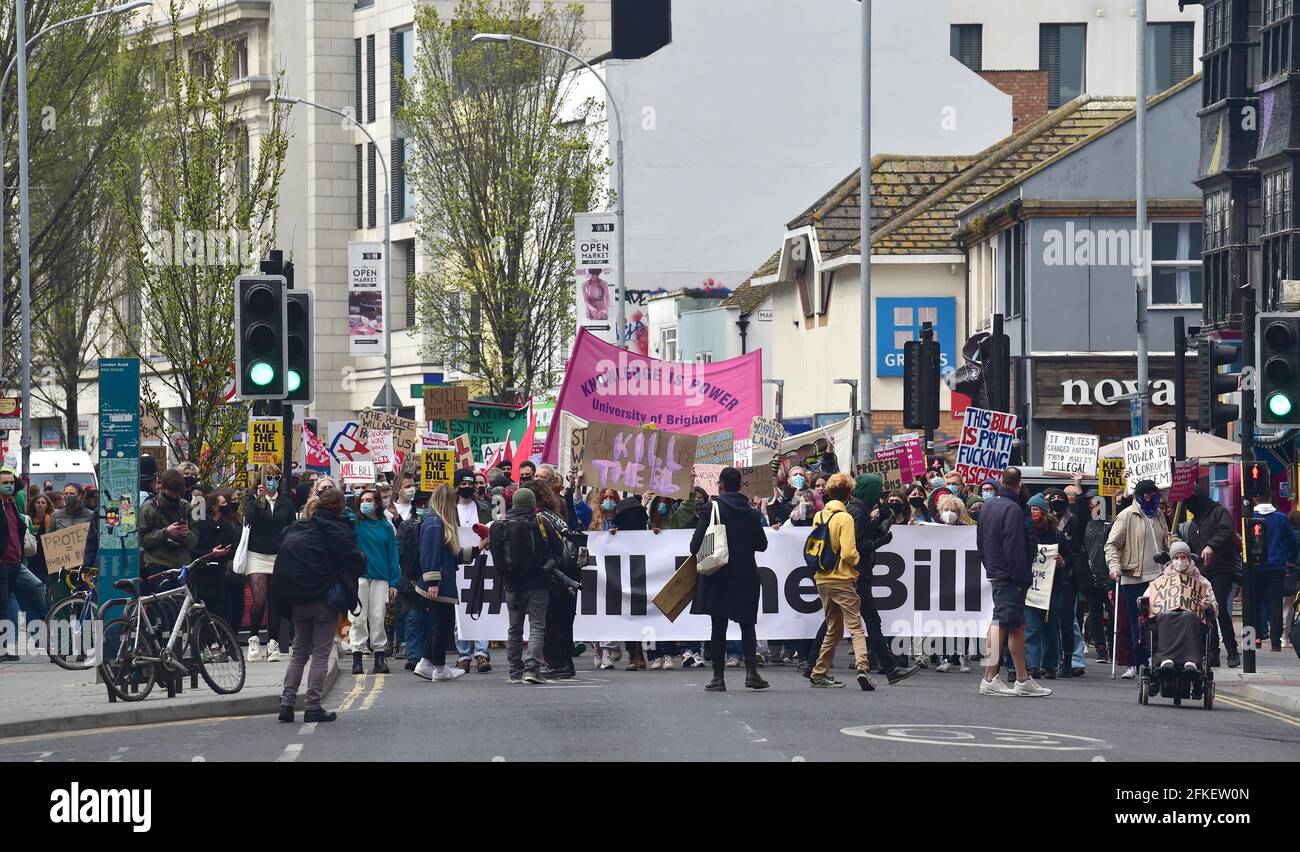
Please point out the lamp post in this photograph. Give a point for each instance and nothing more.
(853, 405)
(19, 63)
(495, 38)
(387, 399)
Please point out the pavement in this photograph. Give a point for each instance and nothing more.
(38, 697)
(667, 716)
(1274, 684)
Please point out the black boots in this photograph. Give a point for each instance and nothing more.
(320, 714)
(357, 666)
(717, 684)
(381, 664)
(752, 680)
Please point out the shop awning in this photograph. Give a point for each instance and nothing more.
(1200, 445)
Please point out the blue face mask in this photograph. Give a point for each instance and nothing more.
(608, 505)
(988, 493)
(798, 482)
(663, 508)
(421, 513)
(273, 485)
(367, 508)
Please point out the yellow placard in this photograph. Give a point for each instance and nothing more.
(265, 438)
(1110, 476)
(437, 467)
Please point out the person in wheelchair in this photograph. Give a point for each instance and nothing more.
(1181, 602)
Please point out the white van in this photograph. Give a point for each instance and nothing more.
(62, 467)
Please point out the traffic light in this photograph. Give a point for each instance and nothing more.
(1210, 355)
(1255, 480)
(921, 384)
(1255, 541)
(1277, 365)
(260, 337)
(298, 363)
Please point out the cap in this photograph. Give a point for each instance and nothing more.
(463, 475)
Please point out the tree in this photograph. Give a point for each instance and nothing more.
(499, 168)
(198, 208)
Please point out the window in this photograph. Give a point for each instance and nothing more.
(668, 344)
(1216, 220)
(239, 59)
(1176, 263)
(360, 202)
(410, 284)
(356, 50)
(1062, 50)
(370, 78)
(397, 192)
(1214, 62)
(201, 64)
(1277, 201)
(966, 44)
(370, 184)
(704, 358)
(1011, 257)
(1277, 38)
(1169, 55)
(401, 62)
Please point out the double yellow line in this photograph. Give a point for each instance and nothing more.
(359, 689)
(1255, 708)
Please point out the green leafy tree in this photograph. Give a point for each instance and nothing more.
(499, 168)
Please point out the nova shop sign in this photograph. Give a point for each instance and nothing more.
(1079, 387)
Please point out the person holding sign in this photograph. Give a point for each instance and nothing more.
(1042, 638)
(1137, 538)
(1183, 604)
(267, 514)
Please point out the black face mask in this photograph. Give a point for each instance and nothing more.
(466, 492)
(1058, 506)
(897, 508)
(917, 502)
(190, 482)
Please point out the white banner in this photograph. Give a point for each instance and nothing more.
(595, 260)
(927, 582)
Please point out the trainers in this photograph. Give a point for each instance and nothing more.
(1028, 689)
(1187, 667)
(606, 661)
(1077, 671)
(668, 662)
(996, 686)
(825, 682)
(901, 674)
(483, 665)
(923, 662)
(447, 673)
(865, 681)
(1166, 664)
(254, 650)
(515, 678)
(425, 669)
(688, 660)
(617, 654)
(964, 664)
(698, 659)
(319, 715)
(273, 651)
(657, 663)
(411, 664)
(733, 662)
(286, 714)
(1129, 673)
(534, 677)
(943, 667)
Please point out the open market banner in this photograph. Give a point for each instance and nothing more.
(604, 382)
(927, 582)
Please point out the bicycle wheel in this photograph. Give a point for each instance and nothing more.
(123, 667)
(216, 648)
(70, 626)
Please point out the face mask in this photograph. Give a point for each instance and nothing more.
(466, 493)
(949, 517)
(798, 482)
(897, 508)
(608, 505)
(1058, 506)
(663, 508)
(1181, 563)
(71, 504)
(918, 502)
(7, 490)
(988, 493)
(1149, 505)
(367, 508)
(936, 482)
(421, 513)
(408, 493)
(191, 481)
(272, 485)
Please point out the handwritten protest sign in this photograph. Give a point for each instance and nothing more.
(437, 467)
(889, 470)
(65, 548)
(742, 454)
(265, 436)
(357, 472)
(1170, 592)
(464, 452)
(716, 447)
(1110, 477)
(403, 429)
(1147, 457)
(631, 458)
(1043, 569)
(908, 453)
(706, 476)
(446, 403)
(766, 433)
(380, 442)
(572, 436)
(756, 481)
(985, 448)
(1184, 480)
(1065, 453)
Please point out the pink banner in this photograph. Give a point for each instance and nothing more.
(603, 382)
(1185, 475)
(911, 460)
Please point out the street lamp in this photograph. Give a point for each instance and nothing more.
(387, 399)
(501, 38)
(853, 407)
(19, 62)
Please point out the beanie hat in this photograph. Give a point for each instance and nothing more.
(867, 488)
(1179, 547)
(1146, 486)
(1041, 502)
(524, 498)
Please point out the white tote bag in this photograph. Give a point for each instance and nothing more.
(713, 550)
(240, 563)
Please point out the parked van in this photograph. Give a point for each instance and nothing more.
(62, 467)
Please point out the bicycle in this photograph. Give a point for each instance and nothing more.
(71, 621)
(138, 653)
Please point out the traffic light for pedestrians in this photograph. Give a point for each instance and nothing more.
(1210, 355)
(1277, 365)
(1256, 541)
(1255, 480)
(921, 384)
(260, 337)
(298, 362)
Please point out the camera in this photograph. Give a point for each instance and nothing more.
(563, 581)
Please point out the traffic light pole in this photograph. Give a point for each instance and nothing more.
(927, 337)
(1247, 429)
(275, 265)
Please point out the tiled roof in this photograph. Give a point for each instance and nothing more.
(749, 297)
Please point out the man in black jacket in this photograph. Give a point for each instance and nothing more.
(521, 555)
(1072, 522)
(315, 555)
(1212, 536)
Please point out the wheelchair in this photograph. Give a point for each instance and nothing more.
(1177, 683)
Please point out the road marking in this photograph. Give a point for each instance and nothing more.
(374, 693)
(357, 688)
(120, 753)
(290, 754)
(198, 758)
(970, 735)
(1255, 708)
(307, 728)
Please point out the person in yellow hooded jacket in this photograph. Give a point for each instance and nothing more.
(838, 587)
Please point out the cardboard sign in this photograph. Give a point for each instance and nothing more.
(637, 459)
(431, 440)
(706, 477)
(679, 591)
(403, 429)
(742, 454)
(889, 469)
(1065, 453)
(985, 448)
(716, 447)
(571, 443)
(357, 472)
(380, 442)
(464, 452)
(766, 433)
(1170, 592)
(1147, 457)
(1043, 568)
(1110, 477)
(241, 480)
(65, 548)
(265, 436)
(909, 453)
(437, 467)
(757, 480)
(1184, 480)
(11, 410)
(446, 403)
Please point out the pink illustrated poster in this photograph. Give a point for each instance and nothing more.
(604, 382)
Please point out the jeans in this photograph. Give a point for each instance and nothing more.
(1269, 584)
(314, 626)
(417, 622)
(876, 640)
(1076, 659)
(840, 601)
(28, 592)
(662, 649)
(1043, 635)
(438, 639)
(1224, 596)
(474, 648)
(531, 603)
(561, 610)
(718, 639)
(1129, 595)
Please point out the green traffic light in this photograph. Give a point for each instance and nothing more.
(1279, 405)
(295, 381)
(261, 373)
